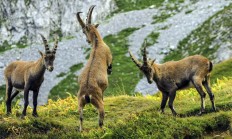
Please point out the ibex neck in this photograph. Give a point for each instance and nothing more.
(39, 68)
(96, 38)
(156, 72)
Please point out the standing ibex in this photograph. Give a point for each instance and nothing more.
(175, 75)
(28, 75)
(94, 79)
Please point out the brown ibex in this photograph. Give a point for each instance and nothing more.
(175, 75)
(94, 79)
(28, 75)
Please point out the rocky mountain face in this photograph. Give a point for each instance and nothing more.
(22, 20)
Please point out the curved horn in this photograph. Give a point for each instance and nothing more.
(145, 53)
(89, 15)
(137, 63)
(45, 44)
(80, 20)
(55, 45)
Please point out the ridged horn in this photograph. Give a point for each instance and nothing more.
(55, 45)
(89, 15)
(80, 20)
(45, 44)
(145, 53)
(137, 63)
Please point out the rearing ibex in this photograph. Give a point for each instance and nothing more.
(175, 75)
(28, 75)
(94, 79)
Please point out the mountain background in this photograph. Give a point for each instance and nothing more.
(174, 29)
(171, 27)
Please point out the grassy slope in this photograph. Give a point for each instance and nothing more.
(206, 39)
(126, 117)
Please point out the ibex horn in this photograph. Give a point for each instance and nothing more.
(137, 63)
(55, 45)
(145, 53)
(80, 20)
(45, 44)
(89, 15)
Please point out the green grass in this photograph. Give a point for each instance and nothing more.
(152, 38)
(205, 40)
(125, 74)
(6, 46)
(2, 92)
(68, 85)
(125, 117)
(222, 70)
(128, 5)
(160, 18)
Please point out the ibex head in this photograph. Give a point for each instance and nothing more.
(146, 66)
(49, 55)
(88, 26)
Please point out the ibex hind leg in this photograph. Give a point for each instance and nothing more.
(206, 84)
(198, 85)
(9, 88)
(100, 106)
(81, 105)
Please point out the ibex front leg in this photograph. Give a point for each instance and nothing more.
(26, 101)
(172, 96)
(164, 101)
(35, 96)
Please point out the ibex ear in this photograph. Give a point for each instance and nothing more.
(152, 62)
(40, 53)
(96, 25)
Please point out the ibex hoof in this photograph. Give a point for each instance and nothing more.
(35, 115)
(23, 116)
(8, 113)
(80, 129)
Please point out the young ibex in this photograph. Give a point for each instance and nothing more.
(94, 79)
(28, 75)
(175, 75)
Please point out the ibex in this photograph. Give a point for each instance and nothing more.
(28, 75)
(94, 79)
(175, 75)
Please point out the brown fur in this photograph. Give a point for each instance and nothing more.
(26, 76)
(94, 79)
(175, 75)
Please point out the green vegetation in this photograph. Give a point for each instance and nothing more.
(128, 5)
(207, 38)
(125, 74)
(6, 46)
(68, 85)
(152, 38)
(161, 18)
(221, 70)
(2, 92)
(126, 117)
